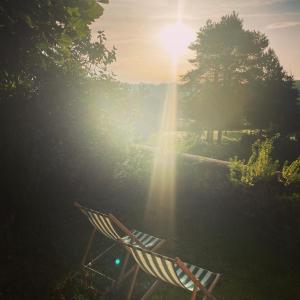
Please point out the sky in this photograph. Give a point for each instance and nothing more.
(134, 27)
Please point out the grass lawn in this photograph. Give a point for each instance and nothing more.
(210, 232)
(212, 236)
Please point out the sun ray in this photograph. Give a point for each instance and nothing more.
(160, 208)
(176, 38)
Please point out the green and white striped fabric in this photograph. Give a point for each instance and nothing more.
(205, 277)
(165, 268)
(103, 224)
(147, 240)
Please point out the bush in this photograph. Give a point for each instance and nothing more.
(291, 172)
(260, 167)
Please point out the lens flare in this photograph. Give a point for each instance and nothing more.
(117, 261)
(176, 38)
(160, 209)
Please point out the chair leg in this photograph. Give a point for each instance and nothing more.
(133, 282)
(194, 295)
(212, 287)
(116, 284)
(90, 242)
(120, 278)
(129, 272)
(151, 290)
(209, 297)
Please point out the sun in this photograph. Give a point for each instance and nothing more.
(176, 38)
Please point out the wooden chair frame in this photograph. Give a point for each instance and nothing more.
(198, 286)
(123, 273)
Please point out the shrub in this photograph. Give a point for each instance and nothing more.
(260, 167)
(291, 172)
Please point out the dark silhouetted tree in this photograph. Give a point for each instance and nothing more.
(49, 67)
(42, 38)
(232, 66)
(272, 98)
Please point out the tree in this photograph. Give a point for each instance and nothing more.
(43, 38)
(49, 65)
(272, 98)
(230, 63)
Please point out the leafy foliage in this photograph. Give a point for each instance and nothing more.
(291, 172)
(186, 142)
(136, 167)
(237, 81)
(260, 167)
(272, 98)
(41, 38)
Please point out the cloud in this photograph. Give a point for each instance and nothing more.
(270, 15)
(246, 4)
(264, 2)
(285, 24)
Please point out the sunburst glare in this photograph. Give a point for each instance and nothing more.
(160, 210)
(176, 38)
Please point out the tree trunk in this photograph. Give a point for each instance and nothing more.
(210, 136)
(219, 140)
(207, 135)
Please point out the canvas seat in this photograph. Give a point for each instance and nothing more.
(147, 240)
(173, 271)
(109, 226)
(205, 277)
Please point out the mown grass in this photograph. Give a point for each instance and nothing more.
(211, 231)
(210, 237)
(213, 234)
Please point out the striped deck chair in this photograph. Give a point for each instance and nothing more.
(187, 276)
(112, 228)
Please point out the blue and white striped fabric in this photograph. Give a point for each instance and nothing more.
(165, 268)
(103, 224)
